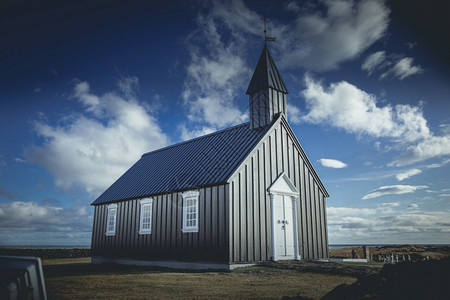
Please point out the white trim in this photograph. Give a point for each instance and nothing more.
(111, 208)
(294, 217)
(145, 202)
(293, 191)
(272, 209)
(288, 190)
(190, 195)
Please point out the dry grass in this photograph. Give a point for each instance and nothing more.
(69, 279)
(66, 261)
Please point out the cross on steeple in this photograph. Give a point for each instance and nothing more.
(267, 38)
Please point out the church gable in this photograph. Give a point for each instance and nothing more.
(282, 148)
(283, 185)
(277, 153)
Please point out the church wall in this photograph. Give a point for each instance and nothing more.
(250, 215)
(167, 241)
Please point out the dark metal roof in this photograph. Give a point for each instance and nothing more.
(266, 75)
(203, 161)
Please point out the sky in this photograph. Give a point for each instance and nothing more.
(87, 87)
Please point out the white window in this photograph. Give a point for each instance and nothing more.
(145, 223)
(190, 211)
(111, 221)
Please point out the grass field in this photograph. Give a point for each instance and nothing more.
(78, 279)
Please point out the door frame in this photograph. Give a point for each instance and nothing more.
(283, 186)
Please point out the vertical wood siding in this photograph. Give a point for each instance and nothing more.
(167, 241)
(250, 215)
(264, 105)
(234, 219)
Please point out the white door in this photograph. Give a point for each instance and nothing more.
(283, 227)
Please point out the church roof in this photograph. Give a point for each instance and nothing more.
(266, 75)
(203, 161)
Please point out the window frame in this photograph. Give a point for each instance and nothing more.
(111, 208)
(190, 195)
(143, 203)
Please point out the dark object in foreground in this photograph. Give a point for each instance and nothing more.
(21, 278)
(408, 280)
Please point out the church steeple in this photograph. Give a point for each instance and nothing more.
(267, 92)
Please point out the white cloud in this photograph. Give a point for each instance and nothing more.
(388, 205)
(93, 149)
(20, 160)
(30, 223)
(129, 85)
(346, 27)
(393, 190)
(294, 114)
(343, 105)
(187, 134)
(31, 216)
(433, 166)
(388, 223)
(432, 146)
(293, 6)
(374, 61)
(215, 111)
(332, 163)
(217, 75)
(402, 68)
(407, 174)
(338, 212)
(445, 128)
(386, 208)
(392, 66)
(411, 45)
(413, 206)
(399, 223)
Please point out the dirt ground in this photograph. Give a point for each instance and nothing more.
(76, 278)
(81, 280)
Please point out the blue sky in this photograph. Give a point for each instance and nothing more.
(86, 88)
